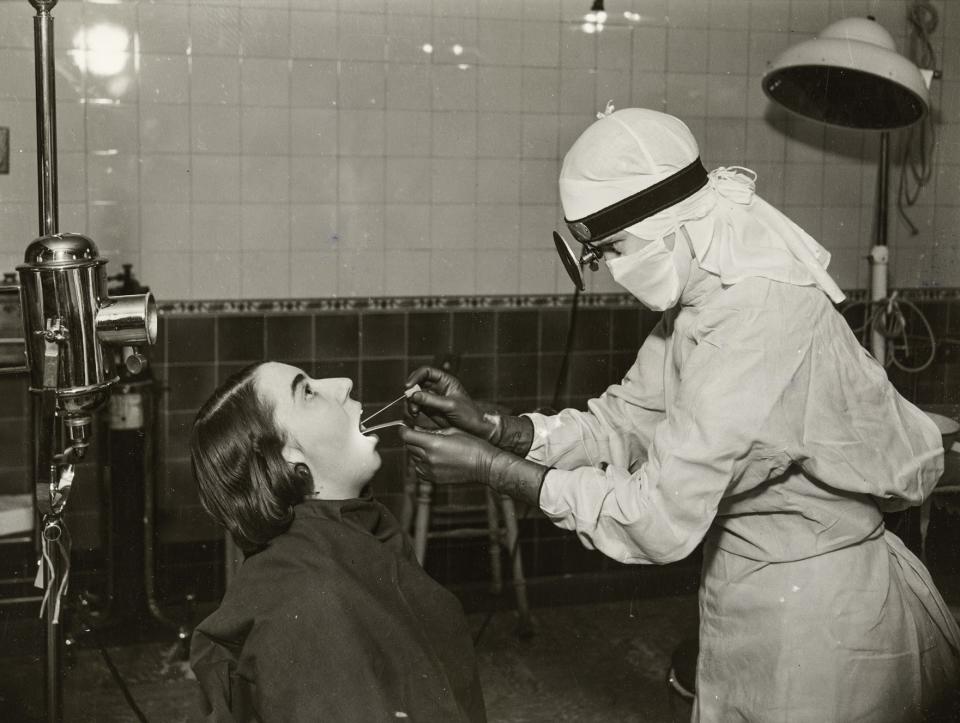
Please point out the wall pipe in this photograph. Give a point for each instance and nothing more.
(880, 254)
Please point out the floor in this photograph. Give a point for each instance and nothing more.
(585, 663)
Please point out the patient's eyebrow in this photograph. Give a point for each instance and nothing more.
(297, 381)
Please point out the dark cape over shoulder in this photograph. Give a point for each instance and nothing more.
(336, 621)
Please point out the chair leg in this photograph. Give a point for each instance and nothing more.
(525, 628)
(409, 492)
(422, 523)
(493, 529)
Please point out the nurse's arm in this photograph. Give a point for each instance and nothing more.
(618, 428)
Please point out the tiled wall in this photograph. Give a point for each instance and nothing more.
(319, 148)
(506, 350)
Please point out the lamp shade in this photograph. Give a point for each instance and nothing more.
(851, 76)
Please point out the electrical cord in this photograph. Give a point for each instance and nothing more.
(887, 317)
(916, 165)
(121, 684)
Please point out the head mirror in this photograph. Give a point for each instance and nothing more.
(569, 260)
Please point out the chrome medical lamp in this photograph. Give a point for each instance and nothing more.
(851, 76)
(70, 324)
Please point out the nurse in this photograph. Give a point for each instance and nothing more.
(752, 421)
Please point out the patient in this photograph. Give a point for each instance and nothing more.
(330, 617)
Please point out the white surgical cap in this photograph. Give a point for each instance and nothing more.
(735, 234)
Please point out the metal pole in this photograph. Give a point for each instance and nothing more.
(48, 224)
(46, 116)
(880, 254)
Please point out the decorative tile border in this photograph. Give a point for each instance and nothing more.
(459, 303)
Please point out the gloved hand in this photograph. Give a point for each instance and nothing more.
(452, 457)
(444, 402)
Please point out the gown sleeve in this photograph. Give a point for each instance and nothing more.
(618, 428)
(704, 448)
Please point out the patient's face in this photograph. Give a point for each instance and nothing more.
(322, 427)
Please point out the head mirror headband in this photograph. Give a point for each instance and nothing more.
(633, 209)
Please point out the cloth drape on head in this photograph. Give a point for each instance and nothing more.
(734, 232)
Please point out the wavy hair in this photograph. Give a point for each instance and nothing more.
(236, 453)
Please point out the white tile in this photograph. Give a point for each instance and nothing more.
(840, 226)
(538, 181)
(498, 180)
(500, 89)
(169, 274)
(452, 273)
(454, 135)
(453, 226)
(538, 272)
(71, 132)
(726, 96)
(649, 49)
(264, 275)
(577, 48)
(165, 227)
(649, 90)
(407, 226)
(264, 131)
(804, 183)
(215, 227)
(730, 14)
(406, 38)
(214, 29)
(686, 51)
(500, 42)
(313, 179)
(114, 227)
(362, 85)
(164, 128)
(729, 51)
(406, 272)
(16, 25)
(809, 17)
(265, 227)
(215, 128)
(578, 90)
(313, 132)
(616, 48)
(265, 178)
(408, 133)
(454, 180)
(686, 95)
(770, 15)
(540, 136)
(108, 178)
(612, 86)
(537, 222)
(361, 274)
(18, 81)
(265, 81)
(498, 272)
(361, 227)
(215, 178)
(214, 80)
(313, 274)
(115, 86)
(362, 37)
(313, 34)
(460, 8)
(455, 40)
(408, 180)
(842, 184)
(765, 142)
(725, 140)
(361, 180)
(112, 128)
(541, 44)
(361, 133)
(313, 226)
(165, 178)
(541, 9)
(410, 7)
(314, 83)
(541, 90)
(164, 79)
(409, 87)
(498, 135)
(163, 28)
(498, 226)
(264, 33)
(454, 88)
(216, 275)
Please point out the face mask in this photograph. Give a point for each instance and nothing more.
(650, 274)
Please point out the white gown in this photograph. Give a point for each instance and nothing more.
(753, 419)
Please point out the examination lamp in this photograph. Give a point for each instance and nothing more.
(851, 76)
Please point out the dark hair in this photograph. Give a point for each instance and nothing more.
(236, 452)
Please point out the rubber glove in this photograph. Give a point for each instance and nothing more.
(449, 456)
(444, 402)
